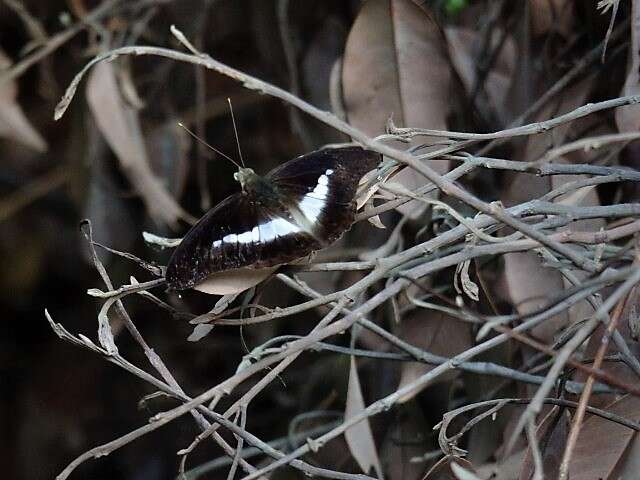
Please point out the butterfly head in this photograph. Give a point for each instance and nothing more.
(246, 177)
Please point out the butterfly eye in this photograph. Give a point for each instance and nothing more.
(236, 177)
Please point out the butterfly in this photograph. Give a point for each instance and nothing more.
(297, 208)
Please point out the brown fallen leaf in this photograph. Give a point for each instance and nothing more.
(605, 441)
(408, 423)
(619, 370)
(486, 437)
(120, 126)
(14, 125)
(359, 437)
(551, 15)
(551, 435)
(628, 117)
(529, 287)
(463, 46)
(630, 464)
(395, 65)
(436, 333)
(168, 148)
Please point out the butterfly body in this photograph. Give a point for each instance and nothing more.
(294, 210)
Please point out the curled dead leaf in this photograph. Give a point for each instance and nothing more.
(468, 286)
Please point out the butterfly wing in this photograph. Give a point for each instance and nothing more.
(240, 231)
(321, 186)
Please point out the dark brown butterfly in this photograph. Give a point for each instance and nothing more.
(297, 208)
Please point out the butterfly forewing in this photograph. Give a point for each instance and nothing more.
(306, 204)
(322, 186)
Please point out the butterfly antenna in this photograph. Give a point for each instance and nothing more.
(182, 125)
(235, 130)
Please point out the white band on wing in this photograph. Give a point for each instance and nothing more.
(311, 207)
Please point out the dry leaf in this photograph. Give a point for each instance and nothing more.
(14, 125)
(201, 330)
(552, 447)
(462, 473)
(395, 65)
(375, 220)
(359, 437)
(463, 46)
(451, 468)
(224, 301)
(486, 437)
(618, 370)
(105, 334)
(168, 146)
(436, 333)
(235, 281)
(630, 464)
(505, 470)
(551, 15)
(120, 126)
(468, 286)
(628, 117)
(408, 423)
(529, 287)
(111, 218)
(365, 196)
(335, 90)
(605, 441)
(584, 197)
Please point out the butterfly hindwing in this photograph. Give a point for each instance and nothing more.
(203, 250)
